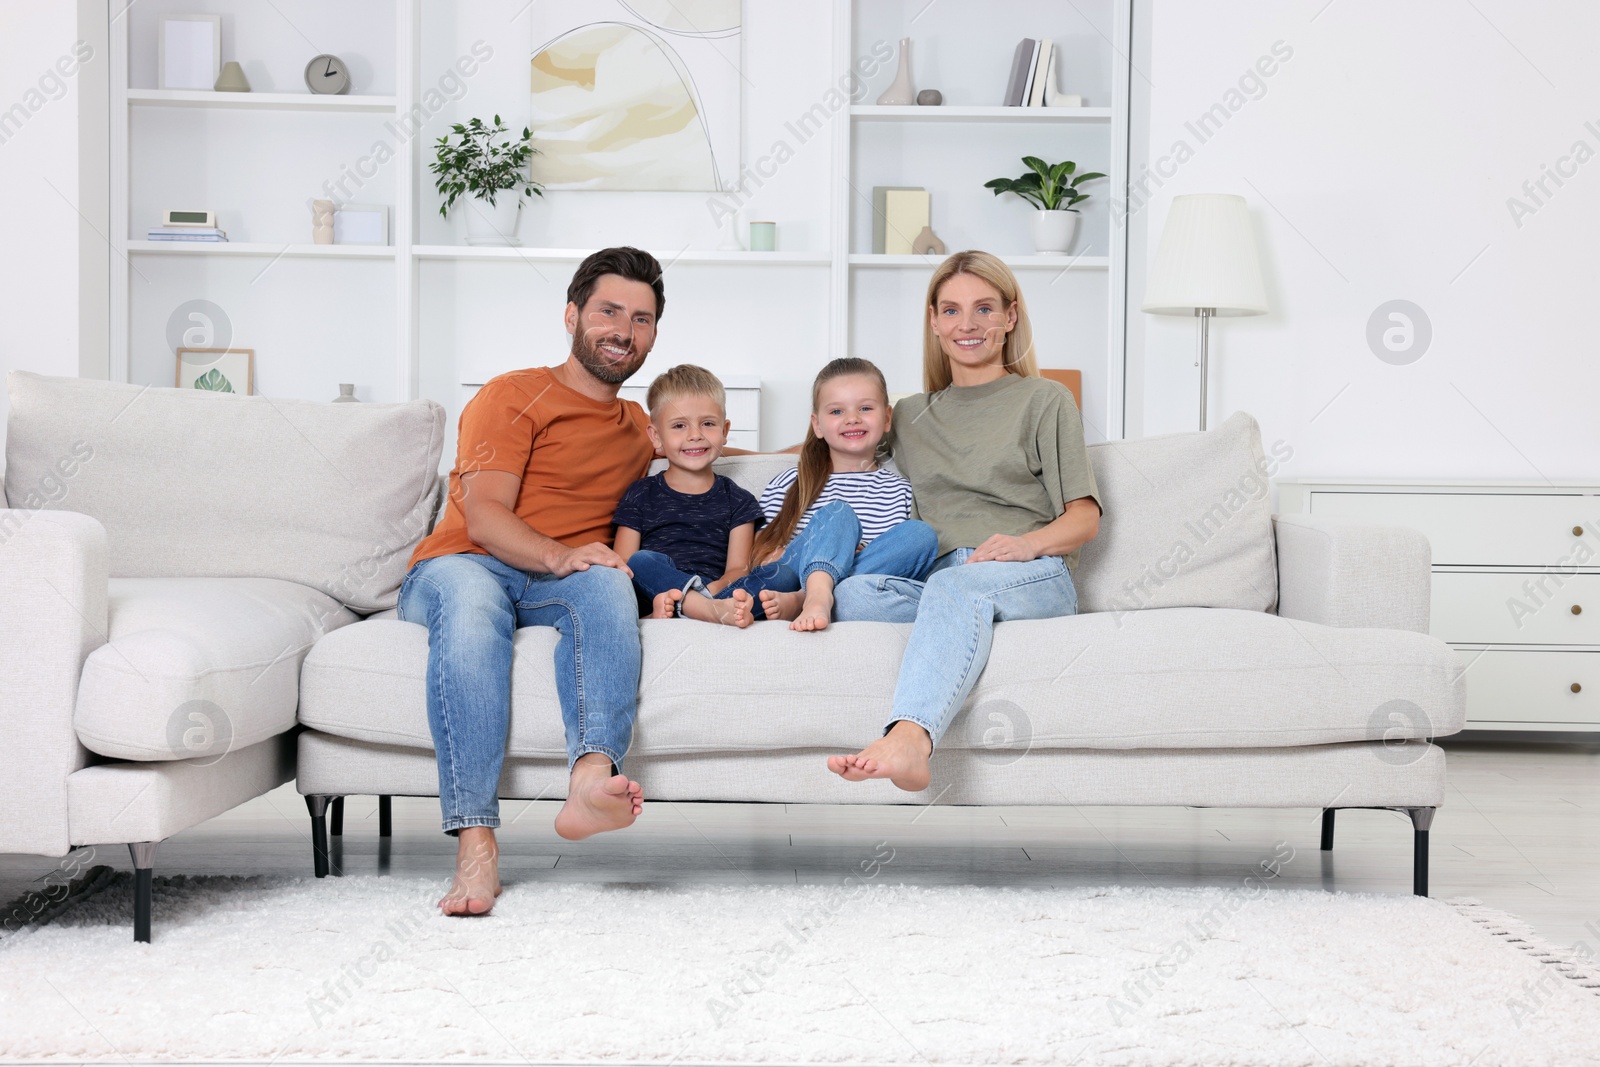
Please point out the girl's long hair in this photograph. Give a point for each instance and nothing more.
(815, 464)
(1017, 356)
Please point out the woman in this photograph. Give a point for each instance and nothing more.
(997, 463)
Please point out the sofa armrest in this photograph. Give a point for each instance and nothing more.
(1341, 573)
(53, 582)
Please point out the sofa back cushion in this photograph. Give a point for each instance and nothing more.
(749, 472)
(1188, 523)
(195, 484)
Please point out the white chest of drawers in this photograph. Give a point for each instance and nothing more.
(1516, 587)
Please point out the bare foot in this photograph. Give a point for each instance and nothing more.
(782, 606)
(477, 873)
(816, 611)
(664, 606)
(901, 755)
(597, 800)
(737, 609)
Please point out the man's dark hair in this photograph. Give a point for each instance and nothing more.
(626, 262)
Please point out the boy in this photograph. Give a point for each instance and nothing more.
(687, 532)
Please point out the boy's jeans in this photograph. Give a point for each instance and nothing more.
(472, 605)
(828, 543)
(954, 612)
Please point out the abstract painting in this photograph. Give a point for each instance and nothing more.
(636, 94)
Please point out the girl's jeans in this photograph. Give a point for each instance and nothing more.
(954, 614)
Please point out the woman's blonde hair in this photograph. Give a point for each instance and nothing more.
(1017, 357)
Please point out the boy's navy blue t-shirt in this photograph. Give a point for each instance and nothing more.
(690, 529)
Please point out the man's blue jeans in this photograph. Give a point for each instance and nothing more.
(472, 605)
(954, 614)
(828, 543)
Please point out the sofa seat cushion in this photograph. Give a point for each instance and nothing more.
(1163, 678)
(196, 667)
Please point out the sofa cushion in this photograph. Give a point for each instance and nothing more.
(198, 667)
(1187, 523)
(195, 484)
(1168, 678)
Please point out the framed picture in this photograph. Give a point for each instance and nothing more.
(188, 51)
(361, 224)
(217, 370)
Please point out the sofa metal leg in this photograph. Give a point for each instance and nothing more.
(1421, 822)
(144, 861)
(1327, 829)
(318, 807)
(336, 818)
(385, 817)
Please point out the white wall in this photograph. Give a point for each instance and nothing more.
(1378, 161)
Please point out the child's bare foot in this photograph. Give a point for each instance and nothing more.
(664, 606)
(597, 800)
(477, 873)
(737, 609)
(901, 755)
(815, 612)
(782, 606)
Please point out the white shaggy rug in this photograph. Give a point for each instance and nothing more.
(286, 971)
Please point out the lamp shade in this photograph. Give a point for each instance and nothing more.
(1207, 259)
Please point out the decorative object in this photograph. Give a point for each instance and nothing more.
(496, 176)
(1053, 189)
(206, 219)
(1206, 265)
(217, 370)
(927, 243)
(643, 95)
(906, 213)
(232, 79)
(328, 75)
(1072, 379)
(900, 91)
(322, 222)
(1053, 96)
(880, 214)
(930, 98)
(728, 233)
(763, 236)
(361, 224)
(347, 394)
(188, 51)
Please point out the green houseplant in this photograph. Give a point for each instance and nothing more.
(481, 161)
(1053, 189)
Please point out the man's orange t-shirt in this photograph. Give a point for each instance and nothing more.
(575, 456)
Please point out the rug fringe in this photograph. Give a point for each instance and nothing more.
(1577, 964)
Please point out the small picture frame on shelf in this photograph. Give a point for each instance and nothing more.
(188, 51)
(217, 370)
(361, 224)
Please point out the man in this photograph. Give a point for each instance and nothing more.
(543, 456)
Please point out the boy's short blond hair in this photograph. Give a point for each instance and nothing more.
(685, 379)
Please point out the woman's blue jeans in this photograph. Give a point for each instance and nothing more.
(954, 613)
(472, 604)
(828, 543)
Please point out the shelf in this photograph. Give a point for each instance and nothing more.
(1014, 262)
(942, 112)
(574, 255)
(258, 101)
(247, 248)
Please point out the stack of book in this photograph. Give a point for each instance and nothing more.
(1033, 77)
(186, 233)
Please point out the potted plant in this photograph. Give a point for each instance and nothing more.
(470, 161)
(1054, 191)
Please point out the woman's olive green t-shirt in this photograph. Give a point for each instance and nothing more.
(1005, 457)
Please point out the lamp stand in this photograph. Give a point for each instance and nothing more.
(1204, 315)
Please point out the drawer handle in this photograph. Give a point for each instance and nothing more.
(1576, 688)
(1577, 609)
(1577, 531)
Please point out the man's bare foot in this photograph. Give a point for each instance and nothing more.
(815, 612)
(597, 800)
(782, 606)
(664, 606)
(736, 609)
(901, 755)
(477, 873)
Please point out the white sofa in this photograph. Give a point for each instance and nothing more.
(185, 576)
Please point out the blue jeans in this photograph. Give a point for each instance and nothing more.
(954, 613)
(828, 543)
(472, 605)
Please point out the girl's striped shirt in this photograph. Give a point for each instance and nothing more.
(880, 498)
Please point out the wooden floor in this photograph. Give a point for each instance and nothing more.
(1519, 830)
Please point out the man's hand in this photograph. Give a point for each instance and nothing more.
(594, 554)
(1004, 549)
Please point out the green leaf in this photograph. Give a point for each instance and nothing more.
(214, 381)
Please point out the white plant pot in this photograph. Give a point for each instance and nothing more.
(495, 225)
(1054, 231)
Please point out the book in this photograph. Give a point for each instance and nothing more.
(880, 213)
(905, 216)
(1033, 73)
(199, 238)
(1019, 72)
(187, 231)
(1041, 77)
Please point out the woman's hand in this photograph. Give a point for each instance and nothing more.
(1004, 549)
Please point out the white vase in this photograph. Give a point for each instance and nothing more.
(496, 225)
(1053, 231)
(902, 92)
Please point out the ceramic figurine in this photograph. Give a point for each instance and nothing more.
(347, 394)
(927, 243)
(322, 222)
(930, 98)
(901, 92)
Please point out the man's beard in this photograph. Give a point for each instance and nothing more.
(603, 369)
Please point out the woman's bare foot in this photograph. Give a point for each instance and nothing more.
(816, 610)
(901, 755)
(736, 609)
(782, 606)
(597, 800)
(665, 605)
(477, 873)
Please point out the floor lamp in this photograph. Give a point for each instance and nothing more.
(1206, 265)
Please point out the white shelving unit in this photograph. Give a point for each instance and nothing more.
(257, 101)
(947, 113)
